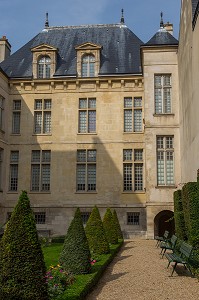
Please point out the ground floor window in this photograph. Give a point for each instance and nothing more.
(133, 218)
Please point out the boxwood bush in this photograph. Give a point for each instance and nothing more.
(117, 225)
(179, 216)
(110, 230)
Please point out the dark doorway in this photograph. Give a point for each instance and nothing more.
(164, 221)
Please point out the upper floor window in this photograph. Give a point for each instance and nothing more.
(14, 160)
(87, 115)
(162, 93)
(1, 168)
(44, 65)
(165, 160)
(88, 65)
(42, 116)
(133, 114)
(16, 116)
(1, 112)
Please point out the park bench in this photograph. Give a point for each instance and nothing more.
(181, 258)
(163, 238)
(169, 245)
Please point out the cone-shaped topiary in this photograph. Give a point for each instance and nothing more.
(98, 243)
(75, 256)
(110, 230)
(117, 225)
(22, 268)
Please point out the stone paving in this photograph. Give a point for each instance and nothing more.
(138, 272)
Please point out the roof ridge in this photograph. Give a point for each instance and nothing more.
(84, 26)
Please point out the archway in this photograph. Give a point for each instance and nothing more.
(164, 221)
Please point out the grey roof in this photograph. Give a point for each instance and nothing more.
(162, 37)
(195, 11)
(194, 6)
(120, 52)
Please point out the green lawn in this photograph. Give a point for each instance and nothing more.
(51, 254)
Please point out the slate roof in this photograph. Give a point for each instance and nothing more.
(194, 6)
(162, 37)
(120, 52)
(195, 11)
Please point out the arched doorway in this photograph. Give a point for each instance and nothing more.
(164, 220)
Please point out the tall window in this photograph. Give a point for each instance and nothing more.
(42, 116)
(1, 167)
(16, 116)
(165, 160)
(1, 112)
(162, 94)
(14, 160)
(132, 114)
(133, 170)
(87, 115)
(86, 170)
(88, 66)
(40, 170)
(44, 65)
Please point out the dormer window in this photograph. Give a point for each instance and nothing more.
(88, 59)
(44, 66)
(88, 65)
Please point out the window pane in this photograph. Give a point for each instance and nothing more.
(14, 156)
(45, 178)
(127, 177)
(81, 176)
(169, 142)
(82, 103)
(138, 174)
(91, 155)
(167, 80)
(17, 105)
(128, 102)
(91, 103)
(85, 216)
(160, 166)
(167, 100)
(128, 120)
(158, 80)
(137, 120)
(169, 168)
(160, 142)
(38, 122)
(91, 177)
(138, 102)
(40, 217)
(127, 154)
(16, 122)
(91, 69)
(138, 154)
(36, 156)
(81, 155)
(158, 101)
(82, 122)
(92, 121)
(47, 122)
(47, 104)
(46, 156)
(35, 177)
(133, 218)
(47, 75)
(38, 104)
(13, 177)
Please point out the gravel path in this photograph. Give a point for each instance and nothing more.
(139, 273)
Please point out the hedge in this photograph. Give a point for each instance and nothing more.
(109, 228)
(179, 216)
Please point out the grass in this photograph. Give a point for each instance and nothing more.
(83, 283)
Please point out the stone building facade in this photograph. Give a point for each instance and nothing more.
(91, 117)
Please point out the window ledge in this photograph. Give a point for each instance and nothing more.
(165, 187)
(15, 134)
(133, 132)
(85, 192)
(39, 192)
(163, 114)
(12, 192)
(86, 133)
(41, 134)
(133, 192)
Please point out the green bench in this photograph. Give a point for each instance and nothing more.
(181, 258)
(170, 245)
(163, 238)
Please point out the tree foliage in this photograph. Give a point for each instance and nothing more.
(117, 225)
(110, 230)
(22, 267)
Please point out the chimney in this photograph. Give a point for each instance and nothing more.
(169, 27)
(5, 48)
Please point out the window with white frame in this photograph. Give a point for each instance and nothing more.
(40, 170)
(16, 116)
(87, 115)
(162, 85)
(88, 65)
(86, 170)
(1, 167)
(44, 67)
(133, 218)
(42, 116)
(133, 114)
(1, 113)
(14, 160)
(133, 170)
(165, 160)
(85, 216)
(40, 217)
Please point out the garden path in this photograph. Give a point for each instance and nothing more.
(138, 272)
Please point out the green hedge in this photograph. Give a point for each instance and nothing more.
(85, 283)
(179, 216)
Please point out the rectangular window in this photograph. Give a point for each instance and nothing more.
(132, 114)
(40, 170)
(16, 116)
(40, 217)
(42, 116)
(162, 86)
(1, 112)
(85, 217)
(14, 160)
(1, 168)
(133, 170)
(133, 218)
(86, 170)
(165, 160)
(87, 115)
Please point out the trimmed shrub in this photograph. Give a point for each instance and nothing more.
(75, 255)
(179, 216)
(117, 225)
(110, 230)
(94, 229)
(22, 268)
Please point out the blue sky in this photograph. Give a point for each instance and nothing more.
(21, 20)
